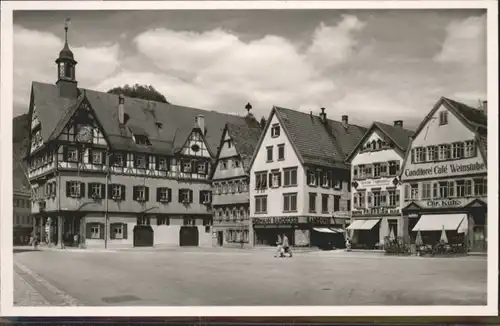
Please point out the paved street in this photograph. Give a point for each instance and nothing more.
(238, 277)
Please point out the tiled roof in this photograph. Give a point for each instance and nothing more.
(325, 144)
(245, 139)
(474, 116)
(177, 121)
(399, 135)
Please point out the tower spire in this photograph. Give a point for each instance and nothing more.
(66, 63)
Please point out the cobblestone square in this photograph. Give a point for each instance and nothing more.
(238, 277)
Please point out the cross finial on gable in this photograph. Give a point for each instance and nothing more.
(248, 107)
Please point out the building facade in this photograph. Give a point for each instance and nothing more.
(444, 176)
(230, 182)
(299, 182)
(109, 170)
(375, 166)
(22, 219)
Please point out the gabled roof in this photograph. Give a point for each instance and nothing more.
(472, 118)
(245, 139)
(177, 120)
(314, 141)
(400, 136)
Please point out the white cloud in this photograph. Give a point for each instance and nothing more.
(334, 44)
(465, 41)
(220, 71)
(34, 60)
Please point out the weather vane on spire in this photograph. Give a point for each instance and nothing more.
(67, 21)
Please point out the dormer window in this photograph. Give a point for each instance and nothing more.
(275, 130)
(142, 140)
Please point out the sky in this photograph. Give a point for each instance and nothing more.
(372, 65)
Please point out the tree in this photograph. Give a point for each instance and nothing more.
(263, 122)
(145, 92)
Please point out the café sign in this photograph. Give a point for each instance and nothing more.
(291, 220)
(447, 169)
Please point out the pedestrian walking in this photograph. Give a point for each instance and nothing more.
(278, 247)
(286, 246)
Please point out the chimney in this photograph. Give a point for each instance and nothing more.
(484, 106)
(322, 115)
(200, 123)
(121, 109)
(345, 121)
(398, 124)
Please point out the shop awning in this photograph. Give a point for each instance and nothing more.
(324, 230)
(436, 222)
(369, 224)
(336, 230)
(363, 224)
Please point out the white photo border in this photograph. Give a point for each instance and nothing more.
(6, 112)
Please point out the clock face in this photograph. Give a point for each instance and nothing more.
(84, 134)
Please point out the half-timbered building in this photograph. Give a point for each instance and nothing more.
(230, 182)
(108, 170)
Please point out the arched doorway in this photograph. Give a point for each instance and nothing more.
(188, 236)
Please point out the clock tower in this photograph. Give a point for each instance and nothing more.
(66, 82)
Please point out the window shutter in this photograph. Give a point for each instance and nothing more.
(111, 159)
(180, 196)
(82, 189)
(54, 188)
(182, 165)
(369, 198)
(125, 232)
(407, 191)
(308, 177)
(158, 194)
(65, 154)
(148, 159)
(110, 191)
(206, 166)
(134, 192)
(68, 193)
(101, 230)
(123, 192)
(88, 230)
(201, 196)
(103, 190)
(270, 180)
(89, 157)
(279, 179)
(413, 155)
(190, 196)
(104, 157)
(111, 233)
(90, 190)
(169, 192)
(147, 193)
(168, 163)
(157, 162)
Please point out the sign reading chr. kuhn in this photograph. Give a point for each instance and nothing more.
(445, 169)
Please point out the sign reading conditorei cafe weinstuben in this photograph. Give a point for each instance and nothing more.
(443, 170)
